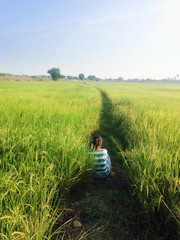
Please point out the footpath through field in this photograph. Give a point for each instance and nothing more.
(104, 208)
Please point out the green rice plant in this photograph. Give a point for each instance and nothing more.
(44, 136)
(148, 134)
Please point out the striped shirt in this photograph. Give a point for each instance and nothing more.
(102, 168)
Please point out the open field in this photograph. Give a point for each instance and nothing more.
(45, 128)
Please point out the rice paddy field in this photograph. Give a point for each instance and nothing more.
(45, 128)
(147, 122)
(44, 138)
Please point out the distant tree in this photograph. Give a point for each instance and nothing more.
(70, 77)
(55, 73)
(91, 77)
(81, 76)
(120, 79)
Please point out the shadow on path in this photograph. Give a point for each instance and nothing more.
(107, 127)
(109, 130)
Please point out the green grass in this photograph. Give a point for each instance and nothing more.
(147, 121)
(45, 130)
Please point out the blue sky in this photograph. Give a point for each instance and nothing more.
(105, 38)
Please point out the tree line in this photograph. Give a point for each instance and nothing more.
(55, 75)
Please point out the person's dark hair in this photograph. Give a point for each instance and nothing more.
(96, 142)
